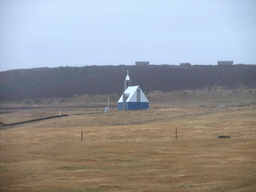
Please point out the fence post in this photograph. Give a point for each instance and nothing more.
(176, 133)
(81, 135)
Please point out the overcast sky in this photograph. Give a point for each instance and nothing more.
(53, 33)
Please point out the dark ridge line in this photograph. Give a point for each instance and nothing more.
(33, 120)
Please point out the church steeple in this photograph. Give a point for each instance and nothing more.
(127, 81)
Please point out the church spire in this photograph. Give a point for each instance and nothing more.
(127, 81)
(127, 76)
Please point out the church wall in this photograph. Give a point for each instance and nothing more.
(120, 106)
(136, 105)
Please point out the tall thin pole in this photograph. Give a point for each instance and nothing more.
(108, 104)
(81, 135)
(176, 133)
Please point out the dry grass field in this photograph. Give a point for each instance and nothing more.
(130, 150)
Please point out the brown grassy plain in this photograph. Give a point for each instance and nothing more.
(140, 155)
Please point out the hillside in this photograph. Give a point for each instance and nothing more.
(68, 81)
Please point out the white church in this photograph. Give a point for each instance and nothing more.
(133, 97)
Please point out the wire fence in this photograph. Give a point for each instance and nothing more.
(218, 110)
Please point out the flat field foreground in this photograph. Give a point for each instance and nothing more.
(50, 156)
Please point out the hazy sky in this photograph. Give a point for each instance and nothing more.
(53, 33)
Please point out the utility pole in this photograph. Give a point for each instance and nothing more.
(108, 104)
(176, 133)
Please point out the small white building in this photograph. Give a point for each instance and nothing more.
(133, 97)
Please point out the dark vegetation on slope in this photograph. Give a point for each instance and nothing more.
(67, 81)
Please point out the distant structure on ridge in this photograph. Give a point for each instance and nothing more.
(185, 64)
(225, 62)
(142, 63)
(133, 97)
